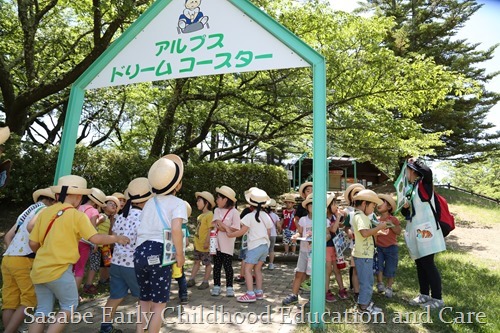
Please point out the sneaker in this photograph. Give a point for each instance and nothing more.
(203, 285)
(215, 291)
(388, 292)
(247, 298)
(90, 289)
(270, 267)
(330, 298)
(380, 287)
(191, 283)
(184, 300)
(433, 303)
(371, 309)
(229, 292)
(290, 299)
(259, 294)
(240, 279)
(306, 285)
(420, 299)
(343, 294)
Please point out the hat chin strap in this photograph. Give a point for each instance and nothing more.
(63, 194)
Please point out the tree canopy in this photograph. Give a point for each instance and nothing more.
(378, 97)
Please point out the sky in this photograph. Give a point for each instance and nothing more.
(484, 28)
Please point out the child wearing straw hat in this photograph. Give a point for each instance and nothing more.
(164, 212)
(365, 202)
(349, 193)
(258, 225)
(287, 224)
(387, 245)
(304, 231)
(100, 257)
(205, 203)
(226, 219)
(122, 270)
(55, 238)
(18, 292)
(90, 204)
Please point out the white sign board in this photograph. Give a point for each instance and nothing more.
(195, 38)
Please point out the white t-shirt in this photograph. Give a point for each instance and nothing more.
(151, 227)
(306, 224)
(275, 218)
(257, 231)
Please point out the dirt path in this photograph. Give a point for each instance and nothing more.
(482, 241)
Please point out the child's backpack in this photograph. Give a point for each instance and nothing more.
(442, 214)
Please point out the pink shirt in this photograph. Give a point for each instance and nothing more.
(232, 219)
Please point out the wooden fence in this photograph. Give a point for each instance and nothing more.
(451, 187)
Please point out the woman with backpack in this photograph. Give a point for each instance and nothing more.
(421, 221)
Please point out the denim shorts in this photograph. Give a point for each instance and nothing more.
(388, 260)
(257, 254)
(63, 289)
(154, 279)
(121, 280)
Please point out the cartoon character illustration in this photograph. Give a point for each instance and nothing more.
(192, 18)
(424, 233)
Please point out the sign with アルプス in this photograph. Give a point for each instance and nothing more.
(194, 38)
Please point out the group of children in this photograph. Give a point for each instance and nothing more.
(53, 239)
(374, 245)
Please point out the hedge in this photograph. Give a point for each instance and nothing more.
(111, 170)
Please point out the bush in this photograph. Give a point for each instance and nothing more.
(112, 170)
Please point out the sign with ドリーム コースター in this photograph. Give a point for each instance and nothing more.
(196, 38)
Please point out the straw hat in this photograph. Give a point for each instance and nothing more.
(227, 192)
(4, 134)
(307, 201)
(330, 199)
(165, 174)
(358, 187)
(46, 192)
(119, 195)
(367, 195)
(303, 187)
(207, 196)
(390, 200)
(75, 184)
(256, 196)
(98, 197)
(114, 199)
(272, 203)
(139, 190)
(188, 208)
(289, 198)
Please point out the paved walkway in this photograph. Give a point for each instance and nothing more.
(206, 313)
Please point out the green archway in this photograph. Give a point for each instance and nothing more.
(229, 36)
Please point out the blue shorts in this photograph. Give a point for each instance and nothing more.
(388, 260)
(257, 254)
(153, 279)
(63, 289)
(121, 280)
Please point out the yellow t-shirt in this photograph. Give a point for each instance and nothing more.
(202, 231)
(363, 247)
(59, 249)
